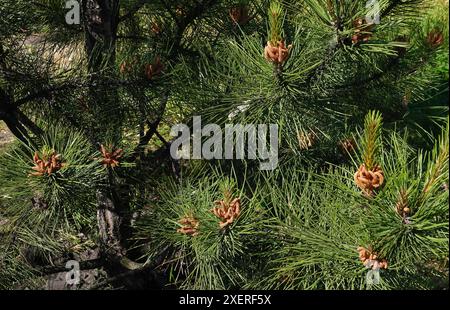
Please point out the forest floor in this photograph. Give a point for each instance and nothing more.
(6, 136)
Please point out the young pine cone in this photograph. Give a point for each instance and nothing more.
(110, 157)
(363, 31)
(227, 212)
(371, 260)
(402, 205)
(435, 38)
(277, 54)
(359, 37)
(127, 66)
(369, 180)
(47, 165)
(189, 226)
(306, 140)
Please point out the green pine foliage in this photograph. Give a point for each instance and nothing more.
(213, 257)
(310, 225)
(362, 113)
(44, 210)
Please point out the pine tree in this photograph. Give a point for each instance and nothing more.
(361, 188)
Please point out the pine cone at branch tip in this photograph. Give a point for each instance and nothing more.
(189, 227)
(435, 38)
(363, 31)
(402, 206)
(110, 156)
(371, 260)
(227, 212)
(277, 54)
(369, 180)
(47, 164)
(306, 140)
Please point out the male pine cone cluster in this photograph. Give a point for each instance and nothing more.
(371, 260)
(150, 70)
(111, 156)
(369, 179)
(363, 31)
(228, 212)
(189, 226)
(47, 164)
(435, 38)
(277, 54)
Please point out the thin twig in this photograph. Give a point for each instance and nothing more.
(84, 265)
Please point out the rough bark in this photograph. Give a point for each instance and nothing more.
(13, 117)
(10, 113)
(100, 19)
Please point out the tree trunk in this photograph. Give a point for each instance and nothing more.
(15, 120)
(100, 19)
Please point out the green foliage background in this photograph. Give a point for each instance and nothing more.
(300, 226)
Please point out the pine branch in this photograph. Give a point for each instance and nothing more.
(182, 24)
(144, 140)
(372, 139)
(438, 165)
(84, 265)
(15, 120)
(328, 58)
(53, 90)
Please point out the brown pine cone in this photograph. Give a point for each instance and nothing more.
(111, 156)
(277, 54)
(124, 67)
(435, 38)
(189, 227)
(47, 165)
(363, 31)
(227, 212)
(155, 28)
(370, 259)
(369, 180)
